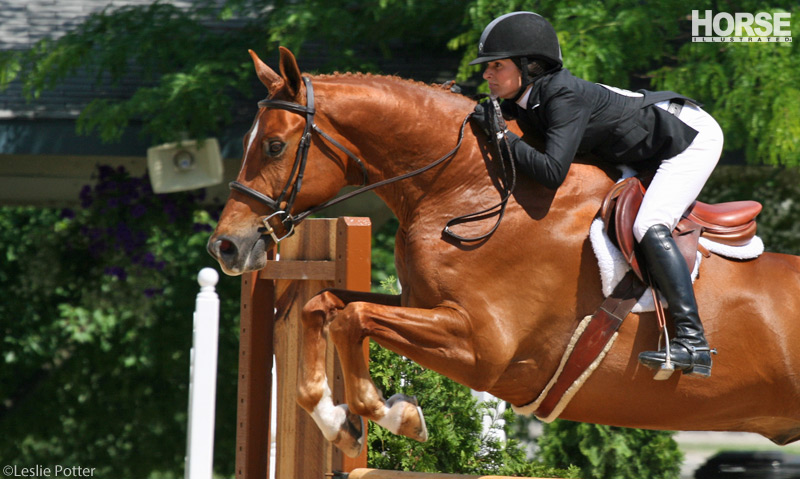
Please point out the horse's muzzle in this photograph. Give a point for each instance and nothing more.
(238, 255)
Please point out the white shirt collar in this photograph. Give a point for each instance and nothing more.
(523, 100)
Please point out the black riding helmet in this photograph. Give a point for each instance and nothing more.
(521, 37)
(519, 34)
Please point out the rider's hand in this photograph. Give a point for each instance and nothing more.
(485, 117)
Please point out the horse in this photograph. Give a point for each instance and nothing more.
(496, 314)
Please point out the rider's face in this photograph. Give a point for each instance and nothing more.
(504, 78)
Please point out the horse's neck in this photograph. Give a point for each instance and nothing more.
(398, 127)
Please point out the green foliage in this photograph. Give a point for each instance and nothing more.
(384, 272)
(192, 74)
(351, 33)
(96, 322)
(750, 88)
(604, 452)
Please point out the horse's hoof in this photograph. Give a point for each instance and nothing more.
(405, 417)
(350, 439)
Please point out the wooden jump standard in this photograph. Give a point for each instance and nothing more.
(323, 253)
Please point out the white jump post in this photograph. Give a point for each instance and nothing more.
(203, 379)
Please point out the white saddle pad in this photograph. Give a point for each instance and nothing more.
(613, 265)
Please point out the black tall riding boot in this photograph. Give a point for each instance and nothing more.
(689, 351)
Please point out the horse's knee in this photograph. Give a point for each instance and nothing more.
(321, 308)
(347, 329)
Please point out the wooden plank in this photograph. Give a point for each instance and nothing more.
(299, 270)
(302, 451)
(56, 181)
(384, 474)
(67, 166)
(353, 272)
(255, 378)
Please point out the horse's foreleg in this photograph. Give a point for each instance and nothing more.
(337, 423)
(437, 338)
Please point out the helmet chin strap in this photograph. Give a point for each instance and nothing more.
(522, 64)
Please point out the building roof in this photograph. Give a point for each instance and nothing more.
(24, 22)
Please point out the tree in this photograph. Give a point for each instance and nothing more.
(96, 322)
(194, 66)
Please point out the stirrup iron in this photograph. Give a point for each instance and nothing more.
(666, 369)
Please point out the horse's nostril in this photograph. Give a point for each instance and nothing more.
(222, 247)
(225, 246)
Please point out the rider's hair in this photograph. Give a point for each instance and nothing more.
(537, 67)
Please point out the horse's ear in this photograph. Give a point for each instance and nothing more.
(267, 75)
(291, 72)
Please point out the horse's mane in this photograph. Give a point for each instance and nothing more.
(437, 87)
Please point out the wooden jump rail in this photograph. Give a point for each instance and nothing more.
(383, 474)
(323, 253)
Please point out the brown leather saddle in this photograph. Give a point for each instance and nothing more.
(732, 223)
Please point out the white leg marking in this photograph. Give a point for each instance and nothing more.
(393, 418)
(328, 417)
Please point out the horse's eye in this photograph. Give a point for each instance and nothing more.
(274, 147)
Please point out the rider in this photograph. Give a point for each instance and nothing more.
(524, 67)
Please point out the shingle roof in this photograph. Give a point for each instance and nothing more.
(24, 22)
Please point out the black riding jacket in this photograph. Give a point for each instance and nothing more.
(574, 115)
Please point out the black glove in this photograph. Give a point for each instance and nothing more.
(485, 116)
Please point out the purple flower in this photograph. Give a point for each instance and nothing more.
(105, 171)
(152, 292)
(138, 210)
(148, 260)
(117, 271)
(86, 196)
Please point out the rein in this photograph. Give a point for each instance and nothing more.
(508, 183)
(298, 169)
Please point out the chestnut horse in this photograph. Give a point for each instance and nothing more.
(497, 314)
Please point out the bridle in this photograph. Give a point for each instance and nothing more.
(282, 211)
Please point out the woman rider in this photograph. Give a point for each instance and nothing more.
(524, 67)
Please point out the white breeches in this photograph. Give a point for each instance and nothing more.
(679, 179)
